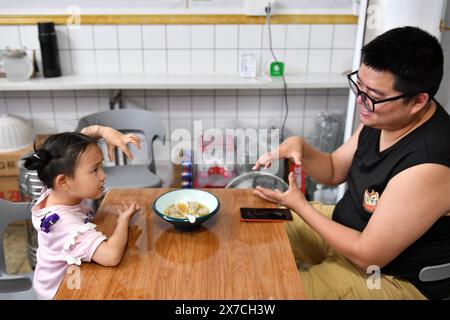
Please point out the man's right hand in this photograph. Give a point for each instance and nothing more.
(291, 148)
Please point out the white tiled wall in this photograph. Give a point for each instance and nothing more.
(92, 49)
(186, 49)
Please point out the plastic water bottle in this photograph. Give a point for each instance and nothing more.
(186, 174)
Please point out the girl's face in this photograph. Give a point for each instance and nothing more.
(89, 178)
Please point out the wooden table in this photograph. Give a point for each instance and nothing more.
(224, 259)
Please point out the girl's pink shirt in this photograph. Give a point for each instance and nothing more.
(71, 240)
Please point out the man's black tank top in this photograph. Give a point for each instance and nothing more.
(369, 174)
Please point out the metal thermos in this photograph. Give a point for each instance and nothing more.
(49, 49)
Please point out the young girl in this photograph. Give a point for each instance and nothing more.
(70, 166)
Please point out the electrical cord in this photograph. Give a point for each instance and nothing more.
(268, 10)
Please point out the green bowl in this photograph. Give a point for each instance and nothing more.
(171, 197)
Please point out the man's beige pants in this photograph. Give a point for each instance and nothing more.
(326, 274)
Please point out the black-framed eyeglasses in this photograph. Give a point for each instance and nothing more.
(368, 101)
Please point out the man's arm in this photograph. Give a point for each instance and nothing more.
(326, 168)
(410, 204)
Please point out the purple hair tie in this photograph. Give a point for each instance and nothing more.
(47, 222)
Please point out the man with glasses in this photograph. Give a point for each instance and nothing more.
(394, 218)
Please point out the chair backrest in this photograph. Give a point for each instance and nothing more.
(10, 212)
(435, 273)
(130, 120)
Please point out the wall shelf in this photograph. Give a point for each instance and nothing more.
(175, 81)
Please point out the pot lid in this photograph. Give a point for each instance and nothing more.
(15, 53)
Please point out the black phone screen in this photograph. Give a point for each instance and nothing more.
(265, 214)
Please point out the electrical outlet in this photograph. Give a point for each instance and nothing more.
(257, 7)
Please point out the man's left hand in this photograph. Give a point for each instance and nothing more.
(289, 198)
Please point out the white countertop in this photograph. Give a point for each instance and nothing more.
(175, 81)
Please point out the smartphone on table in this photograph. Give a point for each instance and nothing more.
(265, 214)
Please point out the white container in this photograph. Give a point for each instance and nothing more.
(17, 65)
(15, 133)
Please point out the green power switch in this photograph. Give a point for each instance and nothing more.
(276, 69)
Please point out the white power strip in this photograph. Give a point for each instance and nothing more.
(258, 7)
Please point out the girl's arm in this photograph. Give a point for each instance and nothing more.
(113, 139)
(110, 252)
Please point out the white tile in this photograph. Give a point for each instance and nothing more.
(297, 36)
(81, 38)
(308, 128)
(249, 123)
(103, 103)
(159, 105)
(161, 152)
(183, 123)
(41, 94)
(296, 105)
(107, 61)
(66, 125)
(316, 92)
(296, 61)
(65, 109)
(178, 37)
(131, 61)
(248, 107)
(14, 94)
(44, 126)
(271, 106)
(226, 61)
(3, 108)
(19, 107)
(226, 36)
(226, 123)
(155, 61)
(29, 37)
(337, 103)
(314, 105)
(225, 106)
(86, 93)
(202, 107)
(105, 37)
(207, 124)
(134, 102)
(130, 36)
(86, 106)
(65, 58)
(344, 36)
(64, 94)
(9, 37)
(278, 32)
(180, 93)
(62, 35)
(41, 108)
(294, 126)
(83, 62)
(179, 107)
(202, 36)
(202, 61)
(341, 60)
(250, 36)
(179, 61)
(154, 36)
(321, 36)
(319, 61)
